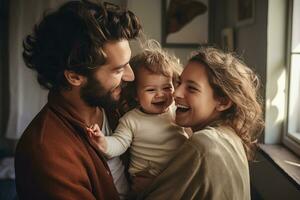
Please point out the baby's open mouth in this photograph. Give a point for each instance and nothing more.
(159, 103)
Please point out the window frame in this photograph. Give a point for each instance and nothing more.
(288, 139)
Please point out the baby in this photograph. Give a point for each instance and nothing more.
(148, 129)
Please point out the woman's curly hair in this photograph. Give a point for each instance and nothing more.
(72, 38)
(230, 78)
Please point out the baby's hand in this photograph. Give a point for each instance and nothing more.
(96, 134)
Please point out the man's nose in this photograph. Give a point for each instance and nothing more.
(128, 74)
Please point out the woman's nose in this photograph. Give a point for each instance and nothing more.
(128, 74)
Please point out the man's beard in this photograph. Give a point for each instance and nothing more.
(94, 94)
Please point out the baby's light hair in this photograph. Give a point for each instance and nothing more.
(230, 78)
(154, 59)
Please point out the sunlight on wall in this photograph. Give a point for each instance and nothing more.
(279, 99)
(275, 105)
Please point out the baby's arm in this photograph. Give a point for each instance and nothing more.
(116, 144)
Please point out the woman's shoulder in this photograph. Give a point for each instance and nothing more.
(214, 133)
(208, 134)
(211, 138)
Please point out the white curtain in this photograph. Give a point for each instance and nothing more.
(26, 96)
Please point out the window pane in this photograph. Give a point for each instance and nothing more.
(294, 98)
(296, 27)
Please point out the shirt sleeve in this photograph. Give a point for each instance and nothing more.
(120, 141)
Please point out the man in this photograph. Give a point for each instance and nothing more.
(80, 53)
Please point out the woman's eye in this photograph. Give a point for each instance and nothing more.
(192, 89)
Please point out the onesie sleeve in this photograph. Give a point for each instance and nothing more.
(120, 141)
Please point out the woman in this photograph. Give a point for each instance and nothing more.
(217, 97)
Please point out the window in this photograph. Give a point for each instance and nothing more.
(291, 136)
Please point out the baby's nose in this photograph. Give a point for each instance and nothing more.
(159, 94)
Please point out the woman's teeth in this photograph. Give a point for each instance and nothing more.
(182, 108)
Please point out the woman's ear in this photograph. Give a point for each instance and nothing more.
(73, 78)
(224, 104)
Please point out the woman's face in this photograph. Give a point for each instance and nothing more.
(194, 98)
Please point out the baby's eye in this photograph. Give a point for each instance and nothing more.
(168, 88)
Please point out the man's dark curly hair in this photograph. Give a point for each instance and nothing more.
(72, 38)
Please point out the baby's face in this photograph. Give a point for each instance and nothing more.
(154, 92)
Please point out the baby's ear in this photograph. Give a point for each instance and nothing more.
(224, 104)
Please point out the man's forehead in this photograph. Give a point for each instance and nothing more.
(117, 52)
(111, 47)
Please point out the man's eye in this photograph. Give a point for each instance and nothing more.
(120, 70)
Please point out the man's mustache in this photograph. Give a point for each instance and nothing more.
(123, 84)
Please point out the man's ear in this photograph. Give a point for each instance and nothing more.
(224, 104)
(73, 78)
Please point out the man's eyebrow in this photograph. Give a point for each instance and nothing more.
(121, 66)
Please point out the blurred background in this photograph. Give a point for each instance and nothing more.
(265, 33)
